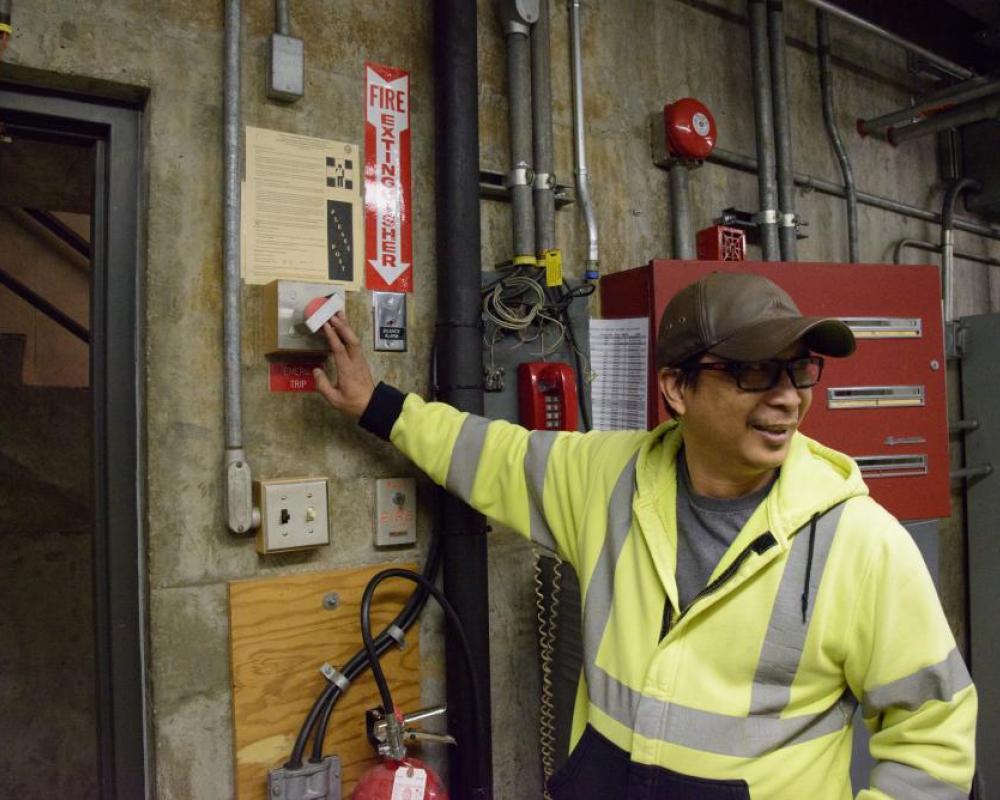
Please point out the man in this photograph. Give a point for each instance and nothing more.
(741, 591)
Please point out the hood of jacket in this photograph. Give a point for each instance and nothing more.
(812, 479)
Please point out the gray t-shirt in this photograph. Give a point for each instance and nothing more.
(706, 526)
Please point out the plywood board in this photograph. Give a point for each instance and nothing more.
(280, 635)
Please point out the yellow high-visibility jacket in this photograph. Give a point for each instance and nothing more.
(822, 602)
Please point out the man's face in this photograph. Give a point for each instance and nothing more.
(738, 434)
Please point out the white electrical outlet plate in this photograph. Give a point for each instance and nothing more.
(395, 511)
(293, 514)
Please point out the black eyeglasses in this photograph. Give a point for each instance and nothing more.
(761, 376)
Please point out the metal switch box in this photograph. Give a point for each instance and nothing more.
(395, 511)
(293, 514)
(285, 330)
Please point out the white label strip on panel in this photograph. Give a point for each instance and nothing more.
(885, 327)
(890, 466)
(874, 396)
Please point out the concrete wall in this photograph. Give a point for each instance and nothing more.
(639, 54)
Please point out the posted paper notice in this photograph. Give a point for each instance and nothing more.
(301, 214)
(619, 354)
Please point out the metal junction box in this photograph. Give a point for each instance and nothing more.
(885, 406)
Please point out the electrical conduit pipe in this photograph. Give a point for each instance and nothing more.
(948, 241)
(240, 512)
(830, 121)
(787, 220)
(517, 19)
(767, 217)
(592, 265)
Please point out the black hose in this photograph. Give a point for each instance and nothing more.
(359, 662)
(459, 632)
(322, 708)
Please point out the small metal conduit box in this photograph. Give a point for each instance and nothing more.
(885, 406)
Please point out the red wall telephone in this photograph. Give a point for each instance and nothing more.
(546, 393)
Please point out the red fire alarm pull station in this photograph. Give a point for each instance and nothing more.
(885, 406)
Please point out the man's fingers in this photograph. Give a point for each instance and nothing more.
(346, 333)
(325, 388)
(334, 339)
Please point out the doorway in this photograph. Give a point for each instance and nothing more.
(72, 566)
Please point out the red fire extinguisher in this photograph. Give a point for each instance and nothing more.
(399, 776)
(409, 779)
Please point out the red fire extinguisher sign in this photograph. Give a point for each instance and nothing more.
(388, 223)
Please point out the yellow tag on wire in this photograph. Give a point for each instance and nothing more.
(552, 261)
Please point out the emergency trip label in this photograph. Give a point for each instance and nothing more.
(297, 377)
(388, 225)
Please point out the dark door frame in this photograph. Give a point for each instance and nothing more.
(116, 375)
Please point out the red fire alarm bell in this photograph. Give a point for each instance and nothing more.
(690, 129)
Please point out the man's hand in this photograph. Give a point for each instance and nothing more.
(354, 386)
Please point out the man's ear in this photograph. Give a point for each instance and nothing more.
(671, 389)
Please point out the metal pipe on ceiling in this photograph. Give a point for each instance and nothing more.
(239, 498)
(787, 221)
(592, 265)
(738, 161)
(459, 376)
(952, 96)
(830, 121)
(931, 247)
(939, 61)
(767, 216)
(974, 111)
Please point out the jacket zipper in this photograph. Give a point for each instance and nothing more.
(760, 545)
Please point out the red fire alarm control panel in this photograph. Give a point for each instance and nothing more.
(885, 406)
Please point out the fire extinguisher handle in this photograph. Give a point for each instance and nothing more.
(413, 735)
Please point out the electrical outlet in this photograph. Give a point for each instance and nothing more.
(395, 511)
(293, 514)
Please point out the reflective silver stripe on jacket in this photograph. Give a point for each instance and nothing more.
(940, 681)
(901, 780)
(608, 694)
(744, 737)
(786, 631)
(466, 453)
(535, 462)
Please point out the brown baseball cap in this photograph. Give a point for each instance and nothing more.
(744, 317)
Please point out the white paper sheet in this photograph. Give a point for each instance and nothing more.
(619, 356)
(301, 209)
